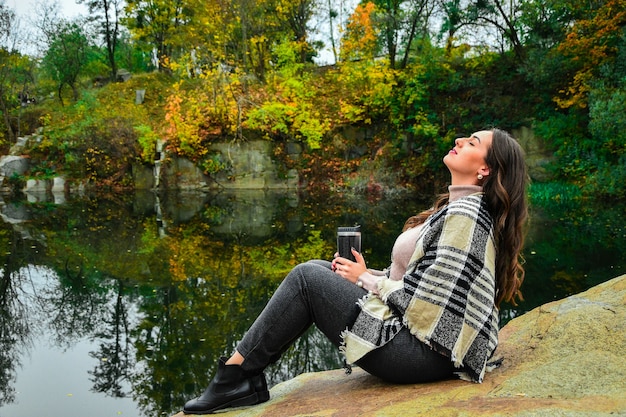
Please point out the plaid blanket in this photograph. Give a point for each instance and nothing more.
(446, 298)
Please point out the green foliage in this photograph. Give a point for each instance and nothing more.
(42, 171)
(542, 194)
(16, 84)
(102, 135)
(590, 145)
(566, 136)
(609, 180)
(291, 111)
(290, 120)
(68, 53)
(607, 125)
(212, 163)
(607, 122)
(147, 139)
(16, 181)
(366, 91)
(287, 64)
(131, 56)
(272, 117)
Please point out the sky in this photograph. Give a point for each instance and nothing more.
(23, 8)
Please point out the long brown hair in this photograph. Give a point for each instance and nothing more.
(505, 194)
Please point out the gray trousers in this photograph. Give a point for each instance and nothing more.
(313, 294)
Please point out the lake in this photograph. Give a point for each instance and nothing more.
(120, 305)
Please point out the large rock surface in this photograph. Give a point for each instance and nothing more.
(249, 165)
(565, 358)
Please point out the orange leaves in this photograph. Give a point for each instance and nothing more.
(183, 128)
(591, 42)
(359, 40)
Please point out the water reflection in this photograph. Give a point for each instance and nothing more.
(161, 286)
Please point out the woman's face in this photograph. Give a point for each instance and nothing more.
(467, 159)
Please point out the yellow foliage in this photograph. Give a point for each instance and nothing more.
(367, 88)
(198, 111)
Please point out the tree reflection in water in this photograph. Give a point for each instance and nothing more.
(14, 330)
(163, 292)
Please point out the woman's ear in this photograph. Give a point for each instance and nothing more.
(484, 171)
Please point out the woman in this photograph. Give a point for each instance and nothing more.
(432, 314)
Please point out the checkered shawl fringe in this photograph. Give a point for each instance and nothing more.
(446, 298)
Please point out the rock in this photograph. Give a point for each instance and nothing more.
(123, 75)
(37, 186)
(144, 177)
(19, 146)
(539, 157)
(251, 166)
(140, 96)
(565, 358)
(13, 165)
(58, 185)
(182, 174)
(14, 213)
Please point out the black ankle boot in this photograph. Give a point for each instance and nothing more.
(260, 387)
(230, 387)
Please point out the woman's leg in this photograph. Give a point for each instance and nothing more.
(310, 294)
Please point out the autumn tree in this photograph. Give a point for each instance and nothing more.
(360, 41)
(503, 15)
(399, 22)
(297, 16)
(156, 24)
(106, 14)
(8, 58)
(232, 32)
(266, 24)
(592, 42)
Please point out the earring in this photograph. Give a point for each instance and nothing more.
(480, 176)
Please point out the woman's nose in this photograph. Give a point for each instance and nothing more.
(458, 141)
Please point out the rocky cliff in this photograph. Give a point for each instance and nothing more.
(565, 358)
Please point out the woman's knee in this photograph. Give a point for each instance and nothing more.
(312, 268)
(311, 274)
(320, 262)
(302, 272)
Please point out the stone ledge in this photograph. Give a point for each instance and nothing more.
(565, 358)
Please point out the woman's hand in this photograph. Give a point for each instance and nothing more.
(348, 269)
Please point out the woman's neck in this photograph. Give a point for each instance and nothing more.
(458, 191)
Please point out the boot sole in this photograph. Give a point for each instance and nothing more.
(251, 399)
